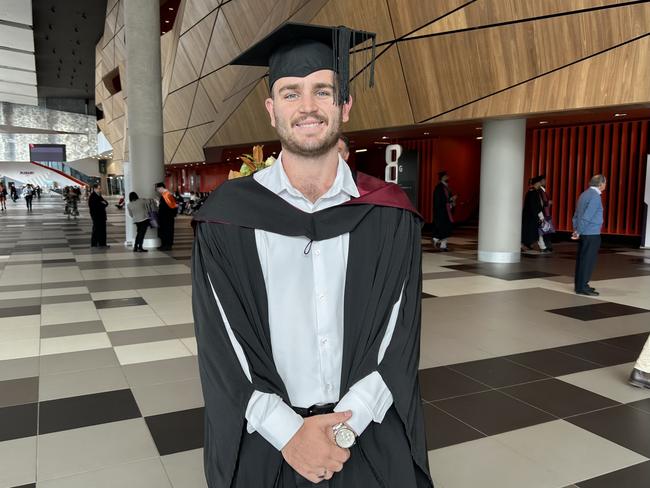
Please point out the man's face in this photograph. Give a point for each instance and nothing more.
(445, 178)
(303, 112)
(602, 186)
(343, 149)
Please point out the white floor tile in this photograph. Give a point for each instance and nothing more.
(65, 313)
(151, 351)
(82, 342)
(609, 382)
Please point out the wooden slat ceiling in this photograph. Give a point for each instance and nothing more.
(440, 61)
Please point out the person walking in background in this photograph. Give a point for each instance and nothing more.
(166, 213)
(532, 215)
(13, 192)
(97, 207)
(640, 376)
(547, 229)
(443, 204)
(28, 195)
(3, 197)
(138, 210)
(587, 222)
(344, 147)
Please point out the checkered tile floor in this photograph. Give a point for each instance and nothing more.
(523, 382)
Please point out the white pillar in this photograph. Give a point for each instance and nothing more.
(502, 173)
(144, 101)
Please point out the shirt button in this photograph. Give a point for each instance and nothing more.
(328, 387)
(317, 252)
(321, 297)
(323, 340)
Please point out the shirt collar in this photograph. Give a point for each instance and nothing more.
(597, 189)
(277, 181)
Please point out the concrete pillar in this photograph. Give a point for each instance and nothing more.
(144, 101)
(502, 173)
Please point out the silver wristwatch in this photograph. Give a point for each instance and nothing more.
(344, 436)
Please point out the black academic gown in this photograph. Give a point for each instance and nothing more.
(97, 209)
(442, 224)
(166, 216)
(530, 218)
(384, 254)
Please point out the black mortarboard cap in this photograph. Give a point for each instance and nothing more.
(295, 49)
(537, 179)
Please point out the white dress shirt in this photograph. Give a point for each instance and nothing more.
(305, 285)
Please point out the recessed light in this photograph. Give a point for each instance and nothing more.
(171, 8)
(620, 115)
(426, 133)
(542, 122)
(479, 138)
(360, 150)
(384, 137)
(167, 22)
(478, 128)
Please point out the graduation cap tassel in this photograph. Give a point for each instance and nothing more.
(343, 60)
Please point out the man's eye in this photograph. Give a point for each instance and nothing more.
(324, 93)
(291, 96)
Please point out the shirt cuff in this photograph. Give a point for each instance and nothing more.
(369, 399)
(276, 421)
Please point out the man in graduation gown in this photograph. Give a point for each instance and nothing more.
(306, 298)
(532, 214)
(97, 209)
(443, 203)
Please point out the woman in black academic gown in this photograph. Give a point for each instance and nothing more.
(530, 217)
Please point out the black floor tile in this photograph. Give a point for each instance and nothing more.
(443, 430)
(598, 311)
(18, 392)
(86, 410)
(492, 412)
(637, 476)
(498, 372)
(552, 362)
(18, 421)
(20, 311)
(119, 302)
(441, 383)
(641, 405)
(633, 342)
(559, 398)
(623, 425)
(599, 353)
(177, 431)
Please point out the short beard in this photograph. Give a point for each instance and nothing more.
(316, 148)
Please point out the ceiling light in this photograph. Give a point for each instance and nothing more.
(478, 128)
(620, 115)
(171, 8)
(384, 137)
(542, 122)
(426, 133)
(167, 22)
(479, 138)
(360, 150)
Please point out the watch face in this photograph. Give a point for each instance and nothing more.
(345, 438)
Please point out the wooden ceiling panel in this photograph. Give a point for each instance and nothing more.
(308, 11)
(487, 12)
(223, 46)
(190, 150)
(176, 111)
(195, 11)
(171, 141)
(183, 72)
(573, 87)
(109, 24)
(119, 22)
(108, 55)
(203, 110)
(438, 82)
(195, 41)
(369, 15)
(119, 107)
(246, 17)
(120, 47)
(410, 15)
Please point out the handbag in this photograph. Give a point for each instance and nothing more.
(153, 219)
(546, 227)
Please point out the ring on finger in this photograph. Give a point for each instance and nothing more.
(321, 476)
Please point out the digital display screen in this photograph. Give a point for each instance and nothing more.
(47, 152)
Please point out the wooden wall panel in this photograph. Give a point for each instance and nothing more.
(191, 147)
(246, 17)
(171, 141)
(617, 150)
(195, 41)
(183, 72)
(195, 10)
(203, 110)
(369, 15)
(223, 46)
(176, 111)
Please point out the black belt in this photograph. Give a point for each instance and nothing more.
(314, 410)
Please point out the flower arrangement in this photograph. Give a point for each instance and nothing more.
(252, 163)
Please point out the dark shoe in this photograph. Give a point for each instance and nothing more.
(142, 250)
(589, 293)
(444, 249)
(546, 251)
(639, 379)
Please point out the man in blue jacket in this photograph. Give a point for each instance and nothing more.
(587, 221)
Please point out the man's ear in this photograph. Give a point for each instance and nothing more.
(345, 112)
(268, 103)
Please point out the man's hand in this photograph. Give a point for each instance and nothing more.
(575, 236)
(312, 451)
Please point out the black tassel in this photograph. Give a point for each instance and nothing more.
(343, 59)
(308, 247)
